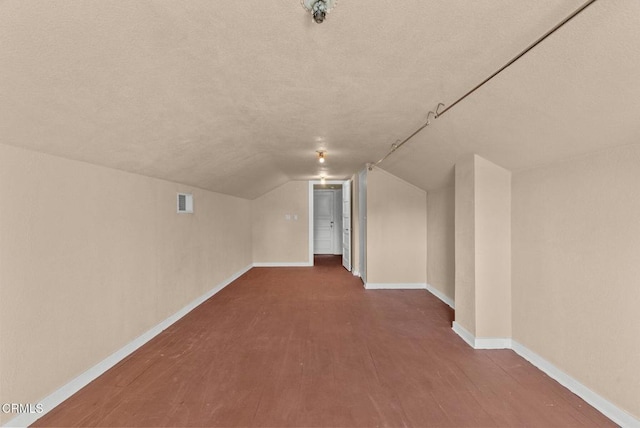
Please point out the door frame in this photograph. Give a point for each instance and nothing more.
(336, 226)
(311, 184)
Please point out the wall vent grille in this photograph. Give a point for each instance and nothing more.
(185, 203)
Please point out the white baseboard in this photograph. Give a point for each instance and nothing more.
(410, 286)
(493, 343)
(283, 264)
(464, 334)
(395, 286)
(607, 408)
(356, 273)
(604, 406)
(66, 391)
(481, 342)
(440, 295)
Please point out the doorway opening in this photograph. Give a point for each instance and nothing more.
(327, 219)
(330, 220)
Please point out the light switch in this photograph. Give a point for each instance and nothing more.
(287, 217)
(295, 216)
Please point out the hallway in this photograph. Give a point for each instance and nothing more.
(310, 347)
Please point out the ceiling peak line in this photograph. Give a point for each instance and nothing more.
(395, 146)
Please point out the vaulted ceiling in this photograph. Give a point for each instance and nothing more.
(237, 96)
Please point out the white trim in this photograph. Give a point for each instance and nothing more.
(355, 273)
(66, 391)
(395, 286)
(493, 343)
(440, 295)
(311, 183)
(481, 342)
(604, 406)
(607, 408)
(464, 334)
(347, 225)
(282, 264)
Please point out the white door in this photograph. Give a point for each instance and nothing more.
(337, 222)
(323, 212)
(346, 225)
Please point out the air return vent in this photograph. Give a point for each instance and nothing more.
(185, 203)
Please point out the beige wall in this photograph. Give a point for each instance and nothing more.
(465, 268)
(441, 242)
(90, 258)
(576, 269)
(276, 239)
(396, 230)
(492, 249)
(483, 248)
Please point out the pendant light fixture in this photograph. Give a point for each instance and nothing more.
(321, 155)
(319, 8)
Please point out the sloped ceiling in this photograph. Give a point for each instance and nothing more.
(237, 96)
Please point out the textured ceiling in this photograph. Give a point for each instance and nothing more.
(237, 96)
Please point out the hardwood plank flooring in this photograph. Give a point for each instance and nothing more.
(309, 347)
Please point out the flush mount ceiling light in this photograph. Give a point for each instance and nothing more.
(319, 8)
(321, 155)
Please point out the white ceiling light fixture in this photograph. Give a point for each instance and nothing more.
(319, 8)
(321, 156)
(322, 180)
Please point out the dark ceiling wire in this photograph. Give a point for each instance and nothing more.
(437, 113)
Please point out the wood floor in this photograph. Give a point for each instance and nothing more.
(309, 347)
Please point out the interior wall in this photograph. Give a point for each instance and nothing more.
(92, 257)
(483, 248)
(441, 243)
(465, 268)
(396, 230)
(276, 237)
(362, 216)
(493, 249)
(576, 269)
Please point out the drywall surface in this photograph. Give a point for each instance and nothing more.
(576, 269)
(396, 230)
(441, 243)
(91, 258)
(355, 224)
(465, 269)
(483, 247)
(276, 237)
(492, 249)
